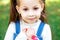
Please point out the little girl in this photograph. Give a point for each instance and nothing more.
(27, 21)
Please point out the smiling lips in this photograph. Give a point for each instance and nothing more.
(31, 18)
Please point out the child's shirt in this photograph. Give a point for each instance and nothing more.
(46, 33)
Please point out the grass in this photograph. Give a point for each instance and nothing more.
(4, 17)
(53, 15)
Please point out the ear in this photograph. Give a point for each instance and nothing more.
(17, 8)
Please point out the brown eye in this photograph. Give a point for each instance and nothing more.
(25, 9)
(35, 8)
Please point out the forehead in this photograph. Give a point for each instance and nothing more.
(29, 2)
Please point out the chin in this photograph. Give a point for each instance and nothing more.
(31, 22)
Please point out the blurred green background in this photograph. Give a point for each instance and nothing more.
(53, 16)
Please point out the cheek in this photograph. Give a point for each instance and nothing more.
(23, 14)
(38, 12)
(38, 15)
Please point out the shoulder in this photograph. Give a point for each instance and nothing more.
(11, 26)
(47, 26)
(46, 30)
(46, 34)
(10, 31)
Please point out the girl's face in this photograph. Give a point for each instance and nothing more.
(30, 10)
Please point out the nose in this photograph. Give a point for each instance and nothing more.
(31, 13)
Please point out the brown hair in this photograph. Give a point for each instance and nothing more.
(14, 15)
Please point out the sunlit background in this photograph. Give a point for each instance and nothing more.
(53, 16)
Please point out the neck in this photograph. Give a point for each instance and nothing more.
(23, 22)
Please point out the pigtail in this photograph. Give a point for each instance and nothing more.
(14, 15)
(43, 13)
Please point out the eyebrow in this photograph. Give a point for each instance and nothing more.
(33, 6)
(24, 6)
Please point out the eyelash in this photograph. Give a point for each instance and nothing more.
(25, 9)
(35, 8)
